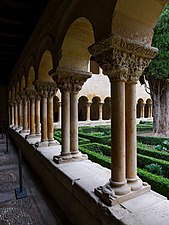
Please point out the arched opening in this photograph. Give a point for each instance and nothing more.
(107, 108)
(140, 105)
(31, 77)
(55, 109)
(46, 64)
(23, 83)
(94, 113)
(79, 37)
(82, 108)
(148, 109)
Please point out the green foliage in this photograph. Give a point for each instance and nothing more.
(155, 169)
(150, 140)
(99, 148)
(163, 146)
(159, 66)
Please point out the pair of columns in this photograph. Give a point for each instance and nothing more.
(46, 91)
(70, 83)
(88, 105)
(123, 61)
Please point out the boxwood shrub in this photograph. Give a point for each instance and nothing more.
(150, 140)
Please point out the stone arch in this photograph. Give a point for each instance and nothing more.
(82, 108)
(107, 108)
(94, 111)
(74, 51)
(17, 88)
(13, 92)
(148, 108)
(23, 83)
(31, 77)
(140, 103)
(45, 65)
(136, 21)
(55, 108)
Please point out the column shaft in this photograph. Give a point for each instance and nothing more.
(100, 111)
(50, 119)
(118, 171)
(16, 114)
(20, 115)
(65, 123)
(44, 120)
(32, 116)
(74, 123)
(88, 111)
(37, 116)
(59, 112)
(25, 115)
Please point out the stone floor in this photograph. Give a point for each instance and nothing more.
(36, 208)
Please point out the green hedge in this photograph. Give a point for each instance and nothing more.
(150, 140)
(102, 140)
(145, 160)
(158, 184)
(99, 148)
(141, 149)
(87, 129)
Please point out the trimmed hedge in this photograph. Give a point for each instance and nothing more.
(150, 140)
(158, 184)
(141, 149)
(99, 148)
(104, 161)
(102, 140)
(145, 160)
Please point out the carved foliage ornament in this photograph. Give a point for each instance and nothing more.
(122, 59)
(70, 80)
(45, 89)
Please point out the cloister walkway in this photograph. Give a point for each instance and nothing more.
(36, 208)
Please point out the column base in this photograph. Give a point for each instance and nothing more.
(24, 131)
(59, 159)
(53, 143)
(108, 195)
(78, 156)
(135, 184)
(41, 144)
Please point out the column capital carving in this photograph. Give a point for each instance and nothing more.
(70, 80)
(122, 58)
(23, 95)
(18, 99)
(45, 89)
(31, 93)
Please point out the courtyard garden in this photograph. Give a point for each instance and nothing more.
(152, 153)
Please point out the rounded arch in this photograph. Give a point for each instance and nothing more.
(9, 94)
(139, 110)
(30, 77)
(23, 83)
(74, 50)
(13, 92)
(17, 88)
(56, 108)
(82, 108)
(45, 65)
(107, 108)
(148, 108)
(94, 110)
(46, 44)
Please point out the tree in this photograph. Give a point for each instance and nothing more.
(157, 74)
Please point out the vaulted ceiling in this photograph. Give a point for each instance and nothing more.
(18, 18)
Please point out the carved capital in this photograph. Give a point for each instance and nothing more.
(45, 89)
(70, 80)
(122, 59)
(23, 95)
(31, 93)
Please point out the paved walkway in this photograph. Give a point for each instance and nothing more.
(31, 210)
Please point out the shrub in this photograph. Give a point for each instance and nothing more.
(155, 169)
(164, 146)
(150, 140)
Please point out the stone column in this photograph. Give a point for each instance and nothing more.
(25, 112)
(88, 105)
(41, 87)
(52, 90)
(9, 113)
(131, 133)
(100, 110)
(37, 116)
(16, 113)
(120, 59)
(142, 105)
(59, 112)
(31, 93)
(149, 109)
(20, 113)
(69, 81)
